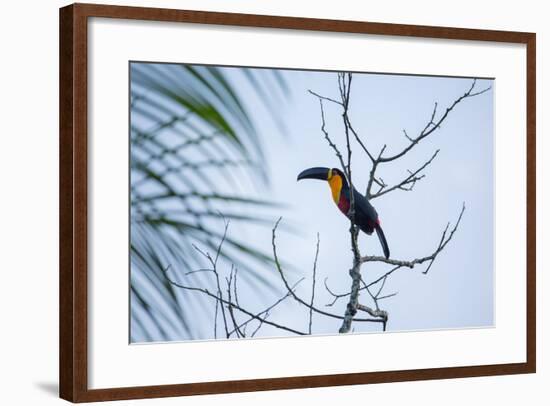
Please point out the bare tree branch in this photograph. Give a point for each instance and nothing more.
(226, 302)
(374, 313)
(387, 296)
(445, 239)
(355, 272)
(372, 176)
(344, 85)
(337, 296)
(260, 325)
(406, 184)
(325, 98)
(327, 137)
(313, 284)
(266, 311)
(230, 308)
(293, 294)
(214, 263)
(345, 89)
(434, 124)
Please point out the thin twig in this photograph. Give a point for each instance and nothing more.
(313, 285)
(229, 308)
(324, 97)
(409, 180)
(268, 309)
(435, 124)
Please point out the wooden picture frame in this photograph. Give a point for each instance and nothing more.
(73, 201)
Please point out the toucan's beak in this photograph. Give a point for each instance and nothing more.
(314, 173)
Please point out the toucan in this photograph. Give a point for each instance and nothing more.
(366, 217)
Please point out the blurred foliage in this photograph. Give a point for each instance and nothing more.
(194, 152)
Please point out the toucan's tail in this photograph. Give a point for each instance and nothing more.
(383, 241)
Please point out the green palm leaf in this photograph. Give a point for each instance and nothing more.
(194, 151)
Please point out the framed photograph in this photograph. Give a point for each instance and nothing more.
(255, 202)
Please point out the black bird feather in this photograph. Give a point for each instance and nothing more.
(366, 217)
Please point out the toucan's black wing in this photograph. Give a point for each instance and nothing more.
(365, 215)
(366, 218)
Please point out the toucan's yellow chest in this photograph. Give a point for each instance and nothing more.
(335, 183)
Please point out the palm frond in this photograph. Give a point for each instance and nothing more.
(195, 153)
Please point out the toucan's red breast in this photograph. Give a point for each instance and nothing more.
(344, 204)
